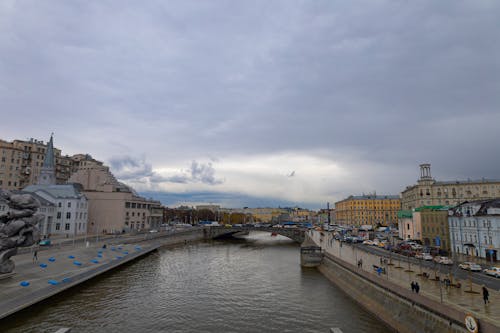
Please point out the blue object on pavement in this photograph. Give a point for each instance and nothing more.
(52, 259)
(53, 282)
(99, 255)
(118, 257)
(125, 252)
(94, 261)
(77, 263)
(66, 280)
(71, 257)
(24, 283)
(43, 265)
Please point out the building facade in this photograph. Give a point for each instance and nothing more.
(429, 192)
(113, 206)
(475, 228)
(21, 163)
(71, 208)
(434, 226)
(368, 210)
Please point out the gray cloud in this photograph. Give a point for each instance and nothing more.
(379, 85)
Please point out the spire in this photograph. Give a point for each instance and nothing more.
(48, 172)
(48, 162)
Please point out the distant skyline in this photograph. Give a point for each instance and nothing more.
(283, 102)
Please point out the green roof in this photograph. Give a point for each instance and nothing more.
(405, 214)
(439, 207)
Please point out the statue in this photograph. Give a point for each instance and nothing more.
(18, 226)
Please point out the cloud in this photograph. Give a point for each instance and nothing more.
(129, 168)
(369, 89)
(138, 171)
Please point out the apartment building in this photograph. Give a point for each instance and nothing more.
(21, 163)
(429, 192)
(368, 210)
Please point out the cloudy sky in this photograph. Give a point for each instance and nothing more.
(258, 103)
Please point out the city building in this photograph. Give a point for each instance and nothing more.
(429, 192)
(434, 226)
(113, 206)
(70, 214)
(69, 201)
(475, 228)
(406, 228)
(368, 210)
(21, 163)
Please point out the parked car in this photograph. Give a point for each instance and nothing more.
(368, 242)
(493, 271)
(443, 260)
(44, 242)
(470, 266)
(424, 256)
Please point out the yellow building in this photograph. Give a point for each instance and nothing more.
(368, 210)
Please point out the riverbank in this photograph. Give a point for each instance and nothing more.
(388, 295)
(60, 268)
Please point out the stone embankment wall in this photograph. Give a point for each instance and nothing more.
(399, 313)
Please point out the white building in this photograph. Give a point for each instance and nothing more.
(71, 208)
(475, 228)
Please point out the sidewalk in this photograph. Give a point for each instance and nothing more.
(63, 267)
(404, 275)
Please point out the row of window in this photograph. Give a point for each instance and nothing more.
(68, 215)
(471, 223)
(137, 205)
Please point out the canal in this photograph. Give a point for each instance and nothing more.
(254, 284)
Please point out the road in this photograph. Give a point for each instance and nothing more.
(477, 277)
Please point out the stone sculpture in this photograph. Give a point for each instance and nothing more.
(18, 226)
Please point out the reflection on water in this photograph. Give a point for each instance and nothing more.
(254, 284)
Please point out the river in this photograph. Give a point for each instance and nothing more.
(254, 284)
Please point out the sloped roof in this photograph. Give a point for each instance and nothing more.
(56, 191)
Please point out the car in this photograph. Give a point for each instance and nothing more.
(368, 242)
(443, 260)
(470, 266)
(493, 271)
(427, 256)
(153, 231)
(44, 242)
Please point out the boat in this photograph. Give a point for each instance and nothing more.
(311, 256)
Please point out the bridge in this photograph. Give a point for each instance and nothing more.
(295, 234)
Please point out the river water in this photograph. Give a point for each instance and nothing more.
(254, 284)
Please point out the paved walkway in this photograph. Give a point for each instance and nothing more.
(61, 264)
(405, 274)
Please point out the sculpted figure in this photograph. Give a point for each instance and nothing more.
(18, 226)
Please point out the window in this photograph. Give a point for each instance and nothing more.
(69, 204)
(60, 204)
(58, 215)
(68, 215)
(66, 226)
(127, 204)
(58, 226)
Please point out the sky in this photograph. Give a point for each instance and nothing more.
(258, 103)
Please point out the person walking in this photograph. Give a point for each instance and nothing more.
(486, 295)
(417, 287)
(35, 256)
(412, 284)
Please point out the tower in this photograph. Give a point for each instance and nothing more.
(48, 172)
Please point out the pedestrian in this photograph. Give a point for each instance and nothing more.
(360, 263)
(486, 294)
(417, 287)
(35, 256)
(412, 286)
